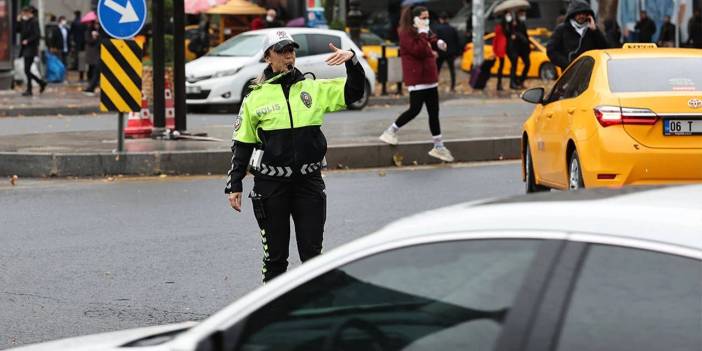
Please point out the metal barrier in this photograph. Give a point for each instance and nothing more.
(389, 71)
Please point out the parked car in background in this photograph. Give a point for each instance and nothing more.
(222, 77)
(612, 120)
(588, 271)
(541, 67)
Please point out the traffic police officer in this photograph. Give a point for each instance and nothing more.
(278, 137)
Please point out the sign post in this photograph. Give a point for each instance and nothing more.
(121, 59)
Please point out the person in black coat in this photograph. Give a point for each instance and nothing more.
(575, 36)
(645, 27)
(694, 30)
(518, 47)
(449, 35)
(77, 31)
(28, 28)
(613, 33)
(667, 36)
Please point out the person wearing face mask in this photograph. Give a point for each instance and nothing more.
(272, 20)
(518, 47)
(420, 75)
(576, 35)
(28, 28)
(278, 136)
(499, 47)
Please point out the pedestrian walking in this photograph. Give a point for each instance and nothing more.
(449, 35)
(278, 133)
(92, 57)
(518, 47)
(694, 30)
(575, 36)
(77, 32)
(667, 36)
(52, 35)
(421, 77)
(645, 28)
(499, 48)
(28, 28)
(272, 20)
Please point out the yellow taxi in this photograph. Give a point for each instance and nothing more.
(541, 66)
(617, 117)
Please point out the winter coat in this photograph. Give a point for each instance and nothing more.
(694, 29)
(520, 42)
(646, 28)
(667, 33)
(566, 44)
(448, 34)
(417, 56)
(499, 44)
(29, 31)
(92, 48)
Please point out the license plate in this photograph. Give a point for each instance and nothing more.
(682, 127)
(193, 90)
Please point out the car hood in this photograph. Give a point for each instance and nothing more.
(106, 341)
(209, 65)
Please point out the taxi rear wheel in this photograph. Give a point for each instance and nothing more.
(531, 186)
(575, 175)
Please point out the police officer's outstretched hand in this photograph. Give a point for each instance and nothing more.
(235, 201)
(339, 56)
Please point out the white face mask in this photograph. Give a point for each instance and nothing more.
(427, 22)
(522, 18)
(269, 18)
(508, 18)
(25, 17)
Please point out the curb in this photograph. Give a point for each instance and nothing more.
(49, 111)
(218, 161)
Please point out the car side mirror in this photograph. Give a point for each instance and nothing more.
(534, 95)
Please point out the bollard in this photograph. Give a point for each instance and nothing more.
(383, 70)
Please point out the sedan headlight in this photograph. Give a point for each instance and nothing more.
(227, 73)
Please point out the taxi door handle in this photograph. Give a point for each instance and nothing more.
(571, 110)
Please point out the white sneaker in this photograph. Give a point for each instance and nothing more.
(441, 153)
(389, 137)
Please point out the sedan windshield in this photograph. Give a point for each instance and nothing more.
(659, 74)
(241, 45)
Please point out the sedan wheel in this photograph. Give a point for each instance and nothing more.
(575, 176)
(361, 103)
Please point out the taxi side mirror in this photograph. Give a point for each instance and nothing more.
(533, 95)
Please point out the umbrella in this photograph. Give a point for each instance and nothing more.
(237, 7)
(89, 17)
(509, 5)
(414, 2)
(197, 6)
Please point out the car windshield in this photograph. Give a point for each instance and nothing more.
(670, 74)
(240, 45)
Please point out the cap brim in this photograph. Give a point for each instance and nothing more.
(281, 44)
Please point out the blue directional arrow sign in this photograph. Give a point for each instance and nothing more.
(122, 19)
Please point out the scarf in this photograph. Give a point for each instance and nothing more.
(580, 28)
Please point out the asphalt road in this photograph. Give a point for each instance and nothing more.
(87, 256)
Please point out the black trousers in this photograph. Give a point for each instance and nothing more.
(451, 66)
(417, 98)
(93, 77)
(513, 56)
(28, 62)
(305, 200)
(500, 68)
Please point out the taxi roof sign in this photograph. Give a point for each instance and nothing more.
(639, 46)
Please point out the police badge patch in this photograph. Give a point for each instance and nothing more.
(237, 122)
(306, 99)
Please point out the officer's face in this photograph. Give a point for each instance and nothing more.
(282, 59)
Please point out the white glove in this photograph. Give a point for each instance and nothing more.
(441, 45)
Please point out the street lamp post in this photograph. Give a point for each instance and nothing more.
(354, 19)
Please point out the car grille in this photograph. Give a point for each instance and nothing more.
(198, 96)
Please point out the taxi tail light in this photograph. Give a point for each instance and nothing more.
(613, 115)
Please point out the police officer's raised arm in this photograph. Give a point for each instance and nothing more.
(354, 83)
(243, 142)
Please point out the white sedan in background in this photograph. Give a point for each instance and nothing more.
(599, 270)
(222, 76)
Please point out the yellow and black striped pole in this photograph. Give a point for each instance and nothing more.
(120, 75)
(120, 80)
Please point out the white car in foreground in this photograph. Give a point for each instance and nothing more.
(222, 76)
(594, 270)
